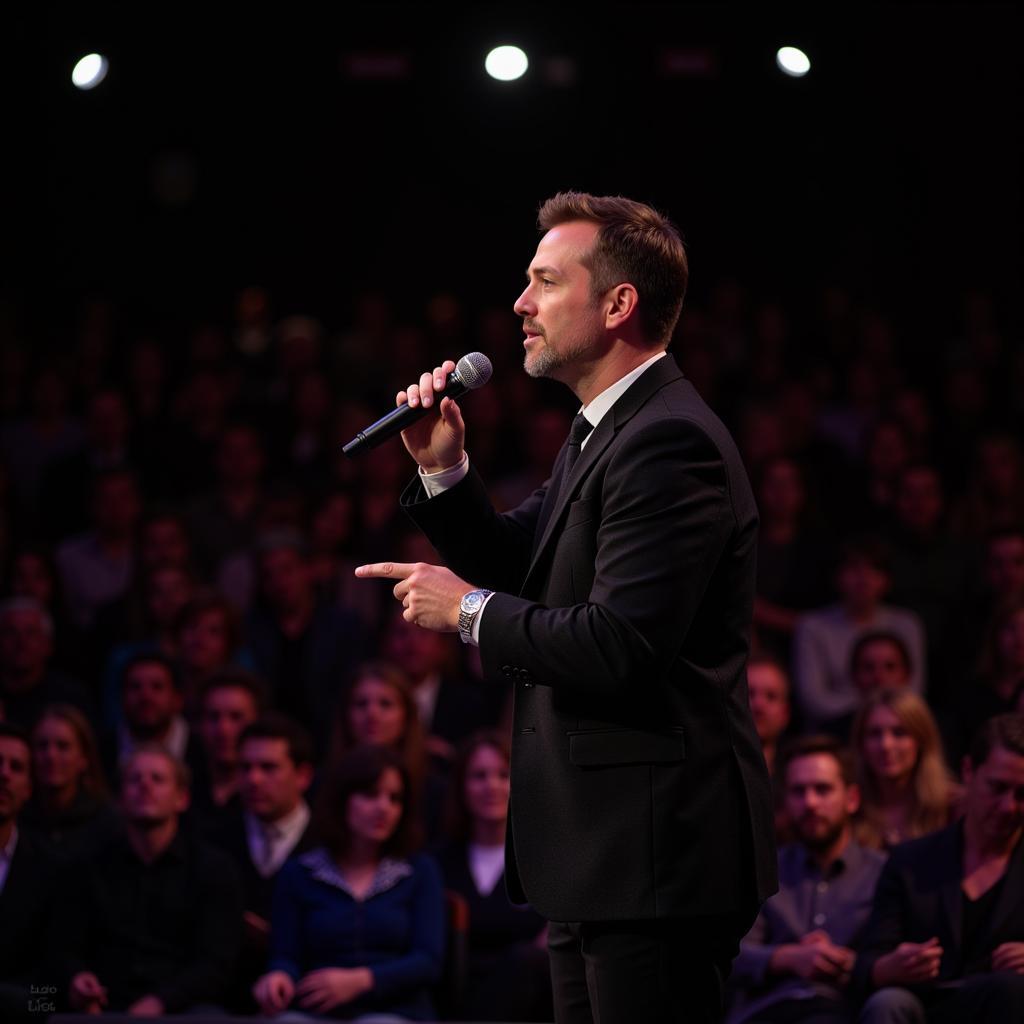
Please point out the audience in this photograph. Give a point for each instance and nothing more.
(797, 961)
(768, 686)
(509, 974)
(209, 487)
(357, 923)
(824, 638)
(70, 810)
(25, 886)
(906, 788)
(946, 936)
(230, 702)
(152, 925)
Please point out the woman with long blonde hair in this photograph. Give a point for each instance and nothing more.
(906, 787)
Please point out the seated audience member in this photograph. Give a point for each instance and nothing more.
(509, 974)
(906, 787)
(792, 556)
(28, 682)
(151, 925)
(824, 638)
(70, 810)
(275, 760)
(150, 711)
(96, 567)
(208, 639)
(147, 626)
(796, 962)
(301, 645)
(230, 701)
(379, 708)
(768, 686)
(32, 573)
(25, 886)
(946, 936)
(880, 661)
(357, 924)
(1001, 587)
(1000, 673)
(449, 709)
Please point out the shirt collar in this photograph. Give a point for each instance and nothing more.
(596, 409)
(849, 860)
(324, 869)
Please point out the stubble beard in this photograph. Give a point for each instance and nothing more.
(547, 362)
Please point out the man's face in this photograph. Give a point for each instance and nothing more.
(769, 701)
(272, 784)
(818, 802)
(919, 500)
(15, 780)
(1005, 567)
(880, 666)
(285, 577)
(995, 795)
(150, 793)
(164, 543)
(226, 711)
(861, 584)
(562, 321)
(116, 508)
(150, 700)
(25, 644)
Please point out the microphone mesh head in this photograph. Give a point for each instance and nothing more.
(474, 370)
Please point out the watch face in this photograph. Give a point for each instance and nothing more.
(472, 601)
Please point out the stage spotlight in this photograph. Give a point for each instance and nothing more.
(793, 62)
(90, 71)
(506, 63)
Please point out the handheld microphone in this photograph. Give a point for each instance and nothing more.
(473, 371)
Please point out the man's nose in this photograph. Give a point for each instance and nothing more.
(524, 305)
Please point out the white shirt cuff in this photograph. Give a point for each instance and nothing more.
(437, 483)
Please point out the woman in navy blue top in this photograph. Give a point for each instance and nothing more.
(357, 925)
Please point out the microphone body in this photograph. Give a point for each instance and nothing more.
(472, 371)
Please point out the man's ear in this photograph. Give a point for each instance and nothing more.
(621, 304)
(852, 798)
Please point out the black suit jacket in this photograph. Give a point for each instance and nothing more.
(622, 614)
(919, 896)
(26, 911)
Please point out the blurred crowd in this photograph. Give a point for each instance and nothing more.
(232, 776)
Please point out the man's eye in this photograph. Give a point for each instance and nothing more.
(545, 280)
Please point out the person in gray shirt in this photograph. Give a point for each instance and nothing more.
(796, 961)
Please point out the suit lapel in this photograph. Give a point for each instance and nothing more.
(1011, 899)
(648, 383)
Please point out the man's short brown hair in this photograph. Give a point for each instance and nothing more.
(634, 243)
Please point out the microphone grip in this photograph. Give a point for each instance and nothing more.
(399, 418)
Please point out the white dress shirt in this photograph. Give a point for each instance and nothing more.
(271, 842)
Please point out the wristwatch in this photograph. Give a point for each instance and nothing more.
(469, 608)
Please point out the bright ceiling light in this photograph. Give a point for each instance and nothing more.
(506, 63)
(90, 71)
(793, 62)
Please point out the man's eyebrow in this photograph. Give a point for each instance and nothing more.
(541, 272)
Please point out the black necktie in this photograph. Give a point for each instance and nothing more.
(581, 428)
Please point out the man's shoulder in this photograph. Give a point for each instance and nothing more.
(934, 850)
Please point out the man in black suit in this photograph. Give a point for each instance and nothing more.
(946, 936)
(618, 598)
(26, 885)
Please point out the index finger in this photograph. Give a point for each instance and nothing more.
(385, 570)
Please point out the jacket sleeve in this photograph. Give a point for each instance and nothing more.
(286, 921)
(487, 548)
(886, 927)
(665, 520)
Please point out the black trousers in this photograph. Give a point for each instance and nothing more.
(627, 972)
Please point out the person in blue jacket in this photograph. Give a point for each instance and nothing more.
(357, 924)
